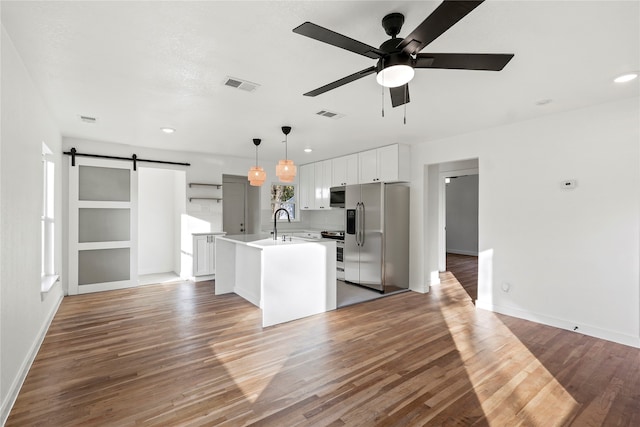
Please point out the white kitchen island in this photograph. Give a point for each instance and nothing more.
(287, 280)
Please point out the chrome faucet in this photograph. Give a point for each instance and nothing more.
(275, 221)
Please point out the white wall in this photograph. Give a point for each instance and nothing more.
(25, 313)
(157, 246)
(462, 215)
(571, 257)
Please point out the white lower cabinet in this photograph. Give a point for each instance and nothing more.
(204, 254)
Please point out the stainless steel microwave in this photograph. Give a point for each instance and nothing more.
(336, 197)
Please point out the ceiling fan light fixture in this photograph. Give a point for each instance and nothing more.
(395, 75)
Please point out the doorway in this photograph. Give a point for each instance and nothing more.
(461, 230)
(161, 204)
(438, 224)
(240, 206)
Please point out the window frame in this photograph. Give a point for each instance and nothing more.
(296, 209)
(48, 275)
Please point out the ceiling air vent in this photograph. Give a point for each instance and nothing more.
(88, 119)
(330, 114)
(240, 84)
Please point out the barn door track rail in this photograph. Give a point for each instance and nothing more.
(134, 158)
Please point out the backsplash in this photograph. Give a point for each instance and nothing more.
(332, 219)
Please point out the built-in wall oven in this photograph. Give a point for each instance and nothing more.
(338, 236)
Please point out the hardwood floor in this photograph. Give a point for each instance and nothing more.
(176, 354)
(465, 269)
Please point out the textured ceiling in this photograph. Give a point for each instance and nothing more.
(139, 66)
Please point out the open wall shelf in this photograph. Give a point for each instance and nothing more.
(202, 195)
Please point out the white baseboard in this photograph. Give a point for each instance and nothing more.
(203, 278)
(16, 385)
(462, 252)
(591, 331)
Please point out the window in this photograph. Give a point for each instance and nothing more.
(47, 221)
(283, 196)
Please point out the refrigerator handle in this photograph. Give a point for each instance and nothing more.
(362, 224)
(358, 223)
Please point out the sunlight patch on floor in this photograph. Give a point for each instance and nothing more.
(502, 397)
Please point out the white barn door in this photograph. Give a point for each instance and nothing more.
(103, 201)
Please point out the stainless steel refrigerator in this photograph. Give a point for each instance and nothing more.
(376, 250)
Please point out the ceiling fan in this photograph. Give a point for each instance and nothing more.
(398, 58)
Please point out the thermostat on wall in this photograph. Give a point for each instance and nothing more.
(569, 184)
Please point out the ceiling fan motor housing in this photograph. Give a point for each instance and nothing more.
(392, 23)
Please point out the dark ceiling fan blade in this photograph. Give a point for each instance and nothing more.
(335, 39)
(440, 20)
(463, 61)
(342, 81)
(399, 95)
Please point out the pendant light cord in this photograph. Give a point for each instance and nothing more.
(286, 146)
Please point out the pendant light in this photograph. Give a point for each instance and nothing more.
(286, 170)
(256, 174)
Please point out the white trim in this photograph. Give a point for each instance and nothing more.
(88, 246)
(589, 330)
(84, 204)
(461, 252)
(16, 385)
(47, 282)
(442, 212)
(202, 278)
(106, 286)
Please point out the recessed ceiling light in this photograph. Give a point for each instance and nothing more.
(168, 130)
(625, 78)
(308, 150)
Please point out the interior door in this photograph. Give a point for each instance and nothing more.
(234, 207)
(103, 200)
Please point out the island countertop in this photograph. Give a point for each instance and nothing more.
(265, 240)
(288, 279)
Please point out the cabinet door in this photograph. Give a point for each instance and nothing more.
(339, 171)
(368, 166)
(387, 163)
(200, 255)
(352, 169)
(211, 249)
(344, 170)
(307, 187)
(322, 200)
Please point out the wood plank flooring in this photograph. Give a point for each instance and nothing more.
(178, 355)
(465, 269)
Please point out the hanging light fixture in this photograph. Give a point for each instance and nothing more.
(286, 170)
(256, 174)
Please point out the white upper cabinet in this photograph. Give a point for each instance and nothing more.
(322, 184)
(345, 170)
(306, 191)
(385, 164)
